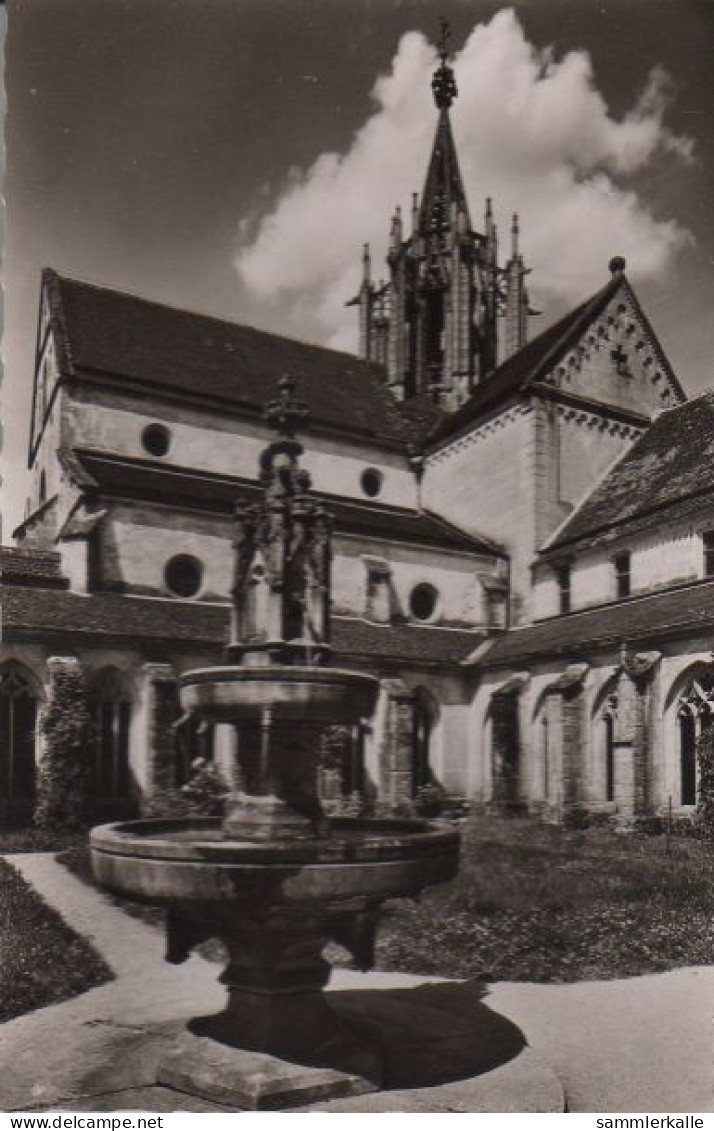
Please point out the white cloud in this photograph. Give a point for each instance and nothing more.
(532, 131)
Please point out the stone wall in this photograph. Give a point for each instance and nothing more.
(110, 421)
(484, 482)
(659, 559)
(137, 540)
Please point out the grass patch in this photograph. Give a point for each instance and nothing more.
(43, 960)
(540, 904)
(537, 903)
(38, 840)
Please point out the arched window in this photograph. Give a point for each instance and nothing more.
(695, 714)
(111, 708)
(506, 745)
(543, 740)
(687, 759)
(603, 768)
(608, 725)
(18, 720)
(424, 719)
(43, 488)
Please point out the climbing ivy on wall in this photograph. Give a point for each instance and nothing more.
(65, 766)
(705, 799)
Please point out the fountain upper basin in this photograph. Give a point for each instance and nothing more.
(188, 860)
(294, 693)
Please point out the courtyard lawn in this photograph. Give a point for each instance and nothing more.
(536, 903)
(41, 960)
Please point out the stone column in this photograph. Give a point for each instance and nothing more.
(569, 737)
(396, 746)
(161, 711)
(553, 707)
(631, 734)
(566, 731)
(225, 749)
(64, 777)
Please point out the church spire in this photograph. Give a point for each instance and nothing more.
(443, 187)
(434, 323)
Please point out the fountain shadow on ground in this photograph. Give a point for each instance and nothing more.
(427, 1035)
(432, 1034)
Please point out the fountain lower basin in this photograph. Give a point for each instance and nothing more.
(189, 861)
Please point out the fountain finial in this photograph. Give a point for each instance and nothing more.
(286, 413)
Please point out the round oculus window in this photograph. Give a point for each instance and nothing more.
(371, 482)
(183, 575)
(155, 439)
(422, 601)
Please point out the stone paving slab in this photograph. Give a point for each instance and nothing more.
(635, 1044)
(152, 1099)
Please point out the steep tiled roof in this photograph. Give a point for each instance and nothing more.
(138, 342)
(20, 566)
(527, 369)
(403, 641)
(668, 469)
(644, 619)
(534, 360)
(165, 623)
(423, 414)
(162, 482)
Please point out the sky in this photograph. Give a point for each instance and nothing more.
(232, 156)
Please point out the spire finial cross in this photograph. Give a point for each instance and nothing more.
(443, 83)
(444, 40)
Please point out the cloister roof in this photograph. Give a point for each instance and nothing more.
(164, 624)
(148, 480)
(647, 619)
(668, 471)
(21, 565)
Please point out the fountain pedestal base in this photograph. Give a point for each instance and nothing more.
(276, 1011)
(252, 1081)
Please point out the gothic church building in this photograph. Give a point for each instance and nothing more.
(523, 529)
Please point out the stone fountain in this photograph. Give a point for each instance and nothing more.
(274, 879)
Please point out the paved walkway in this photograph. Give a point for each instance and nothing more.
(639, 1044)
